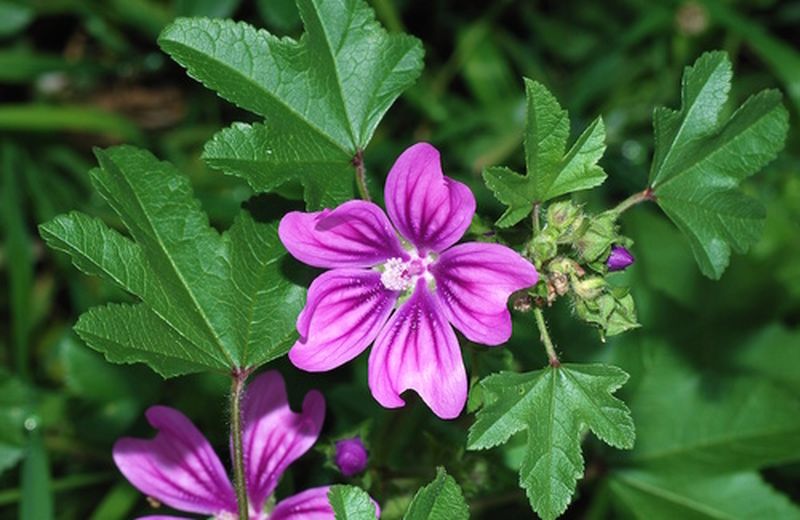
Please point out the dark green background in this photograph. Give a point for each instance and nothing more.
(78, 74)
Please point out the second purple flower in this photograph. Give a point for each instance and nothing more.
(435, 284)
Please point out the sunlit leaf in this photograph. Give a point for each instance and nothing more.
(322, 96)
(552, 170)
(208, 300)
(701, 156)
(555, 406)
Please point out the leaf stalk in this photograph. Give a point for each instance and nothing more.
(544, 335)
(636, 198)
(239, 376)
(361, 176)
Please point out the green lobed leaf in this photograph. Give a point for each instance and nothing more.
(268, 159)
(322, 96)
(551, 169)
(555, 406)
(351, 503)
(701, 157)
(207, 300)
(654, 496)
(440, 500)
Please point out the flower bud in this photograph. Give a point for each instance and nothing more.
(543, 247)
(589, 288)
(619, 259)
(351, 456)
(566, 218)
(597, 238)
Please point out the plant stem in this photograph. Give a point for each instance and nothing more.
(545, 337)
(535, 218)
(634, 199)
(237, 391)
(361, 176)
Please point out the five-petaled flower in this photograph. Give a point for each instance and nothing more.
(180, 469)
(435, 283)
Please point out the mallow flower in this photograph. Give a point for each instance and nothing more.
(179, 467)
(401, 283)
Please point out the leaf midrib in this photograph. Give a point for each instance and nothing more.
(555, 172)
(599, 408)
(252, 306)
(683, 124)
(674, 497)
(334, 65)
(711, 443)
(735, 138)
(217, 340)
(275, 98)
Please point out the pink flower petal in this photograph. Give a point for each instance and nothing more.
(356, 234)
(417, 349)
(473, 283)
(311, 504)
(345, 310)
(430, 210)
(178, 467)
(274, 436)
(162, 517)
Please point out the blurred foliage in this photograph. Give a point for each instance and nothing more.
(75, 74)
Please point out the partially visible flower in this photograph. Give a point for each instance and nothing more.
(180, 469)
(351, 456)
(435, 284)
(619, 259)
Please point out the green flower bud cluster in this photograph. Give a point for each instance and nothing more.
(570, 252)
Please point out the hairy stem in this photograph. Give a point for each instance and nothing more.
(545, 337)
(237, 391)
(535, 218)
(634, 199)
(361, 176)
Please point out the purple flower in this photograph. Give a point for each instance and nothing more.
(619, 259)
(434, 283)
(351, 456)
(180, 469)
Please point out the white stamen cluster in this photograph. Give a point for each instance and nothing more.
(395, 275)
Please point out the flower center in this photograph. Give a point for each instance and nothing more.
(399, 274)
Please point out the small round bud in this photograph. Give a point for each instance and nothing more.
(543, 247)
(589, 288)
(567, 220)
(619, 259)
(351, 456)
(599, 235)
